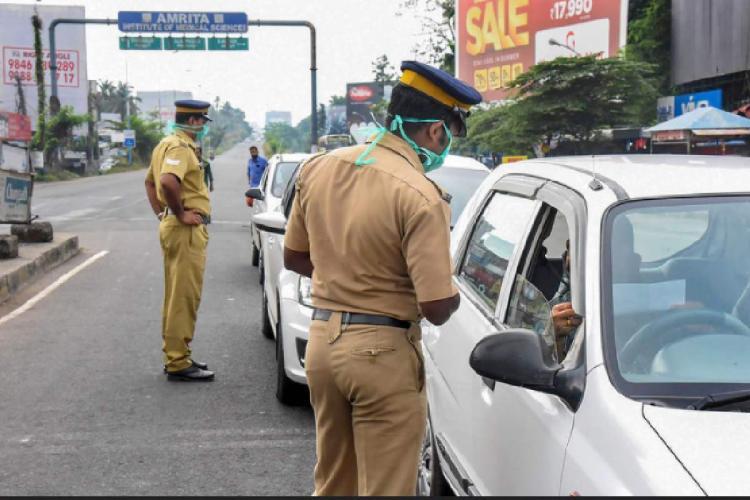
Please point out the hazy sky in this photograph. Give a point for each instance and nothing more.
(274, 74)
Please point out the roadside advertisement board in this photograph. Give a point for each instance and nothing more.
(360, 98)
(14, 127)
(497, 40)
(669, 107)
(15, 201)
(17, 52)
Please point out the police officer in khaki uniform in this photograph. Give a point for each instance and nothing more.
(372, 231)
(178, 195)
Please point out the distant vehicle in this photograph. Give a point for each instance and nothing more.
(331, 142)
(650, 396)
(290, 311)
(267, 198)
(107, 164)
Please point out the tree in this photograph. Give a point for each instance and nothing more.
(383, 71)
(148, 133)
(650, 41)
(126, 102)
(572, 98)
(59, 132)
(39, 140)
(337, 100)
(439, 44)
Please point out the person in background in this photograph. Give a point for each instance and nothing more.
(256, 165)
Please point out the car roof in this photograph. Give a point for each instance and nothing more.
(643, 176)
(284, 157)
(456, 161)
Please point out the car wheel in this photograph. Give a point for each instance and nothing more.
(266, 329)
(430, 479)
(254, 255)
(288, 392)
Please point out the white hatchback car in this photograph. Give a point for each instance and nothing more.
(267, 196)
(650, 395)
(460, 176)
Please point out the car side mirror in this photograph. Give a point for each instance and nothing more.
(270, 222)
(515, 357)
(522, 358)
(255, 193)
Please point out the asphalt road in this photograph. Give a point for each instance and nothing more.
(84, 406)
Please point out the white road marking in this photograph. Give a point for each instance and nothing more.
(54, 286)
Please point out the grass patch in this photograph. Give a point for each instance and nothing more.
(124, 167)
(55, 176)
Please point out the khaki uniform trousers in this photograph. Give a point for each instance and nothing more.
(184, 251)
(367, 390)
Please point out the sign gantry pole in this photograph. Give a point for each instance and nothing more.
(313, 69)
(53, 46)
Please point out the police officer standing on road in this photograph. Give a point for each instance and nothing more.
(373, 232)
(179, 198)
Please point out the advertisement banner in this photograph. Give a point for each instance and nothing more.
(18, 85)
(15, 202)
(497, 40)
(15, 127)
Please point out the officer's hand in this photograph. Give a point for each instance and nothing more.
(191, 218)
(565, 319)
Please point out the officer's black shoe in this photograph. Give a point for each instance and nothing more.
(191, 374)
(202, 366)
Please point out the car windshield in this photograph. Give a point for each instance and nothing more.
(460, 184)
(677, 295)
(284, 171)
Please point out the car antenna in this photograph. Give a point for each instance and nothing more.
(595, 185)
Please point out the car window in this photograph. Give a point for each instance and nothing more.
(460, 183)
(495, 236)
(288, 198)
(264, 178)
(687, 319)
(281, 176)
(677, 231)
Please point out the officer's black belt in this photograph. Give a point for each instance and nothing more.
(205, 219)
(348, 318)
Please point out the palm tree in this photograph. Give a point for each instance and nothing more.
(126, 102)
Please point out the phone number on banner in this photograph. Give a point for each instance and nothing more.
(19, 63)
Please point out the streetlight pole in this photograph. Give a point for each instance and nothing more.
(552, 41)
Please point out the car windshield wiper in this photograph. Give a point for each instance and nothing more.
(720, 399)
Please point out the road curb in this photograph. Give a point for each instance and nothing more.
(41, 260)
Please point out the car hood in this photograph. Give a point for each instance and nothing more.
(712, 446)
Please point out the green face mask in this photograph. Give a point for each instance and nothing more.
(199, 131)
(430, 160)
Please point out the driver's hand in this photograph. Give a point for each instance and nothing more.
(565, 319)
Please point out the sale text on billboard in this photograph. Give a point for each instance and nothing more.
(500, 39)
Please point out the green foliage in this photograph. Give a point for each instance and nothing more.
(650, 41)
(58, 130)
(438, 19)
(148, 133)
(337, 100)
(383, 71)
(567, 99)
(116, 98)
(228, 126)
(38, 141)
(283, 138)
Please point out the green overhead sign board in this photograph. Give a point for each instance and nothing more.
(140, 43)
(192, 43)
(228, 44)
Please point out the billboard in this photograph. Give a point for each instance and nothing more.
(18, 85)
(361, 99)
(497, 40)
(673, 106)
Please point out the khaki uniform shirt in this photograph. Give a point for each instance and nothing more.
(175, 154)
(378, 235)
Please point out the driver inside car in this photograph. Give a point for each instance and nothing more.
(564, 318)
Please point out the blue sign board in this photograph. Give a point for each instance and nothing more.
(129, 142)
(686, 103)
(182, 22)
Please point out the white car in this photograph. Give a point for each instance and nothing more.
(291, 313)
(267, 196)
(650, 395)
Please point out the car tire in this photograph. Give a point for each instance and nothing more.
(430, 479)
(266, 329)
(288, 392)
(254, 254)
